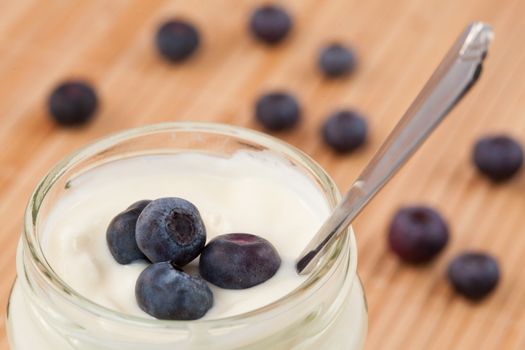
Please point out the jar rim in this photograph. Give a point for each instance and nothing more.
(44, 268)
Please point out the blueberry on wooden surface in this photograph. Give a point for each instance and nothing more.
(474, 274)
(336, 60)
(277, 111)
(177, 40)
(417, 234)
(72, 103)
(270, 24)
(345, 131)
(498, 157)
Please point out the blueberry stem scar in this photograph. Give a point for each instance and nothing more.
(456, 74)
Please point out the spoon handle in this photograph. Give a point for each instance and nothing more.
(454, 76)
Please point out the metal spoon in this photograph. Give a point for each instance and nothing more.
(454, 76)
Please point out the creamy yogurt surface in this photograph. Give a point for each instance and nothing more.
(251, 192)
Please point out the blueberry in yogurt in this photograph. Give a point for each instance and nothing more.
(165, 292)
(238, 261)
(170, 229)
(120, 234)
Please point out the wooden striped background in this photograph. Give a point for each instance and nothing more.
(398, 42)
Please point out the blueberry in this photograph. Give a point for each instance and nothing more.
(345, 131)
(171, 229)
(270, 24)
(417, 234)
(277, 111)
(336, 60)
(72, 103)
(498, 157)
(120, 234)
(474, 275)
(167, 293)
(238, 261)
(177, 40)
(140, 205)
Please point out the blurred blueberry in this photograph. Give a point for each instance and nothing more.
(345, 131)
(177, 40)
(474, 275)
(277, 111)
(270, 24)
(336, 60)
(417, 234)
(498, 157)
(72, 103)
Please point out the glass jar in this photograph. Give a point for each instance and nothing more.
(326, 311)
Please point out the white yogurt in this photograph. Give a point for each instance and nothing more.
(252, 192)
(249, 192)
